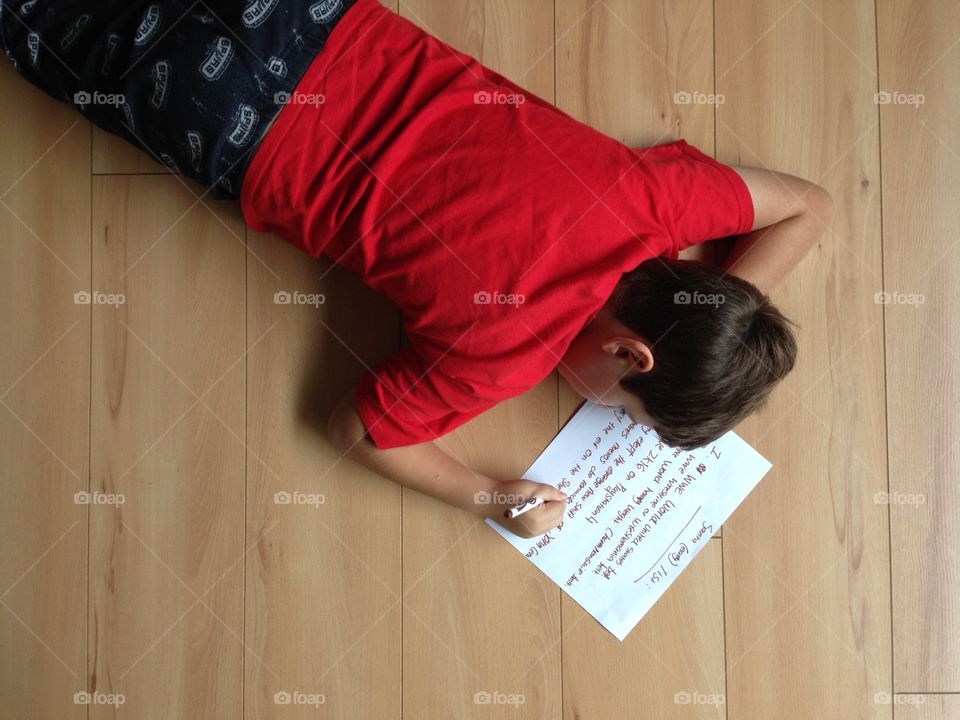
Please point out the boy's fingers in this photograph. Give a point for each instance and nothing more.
(550, 509)
(542, 518)
(552, 513)
(550, 493)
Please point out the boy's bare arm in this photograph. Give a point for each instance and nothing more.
(790, 216)
(425, 467)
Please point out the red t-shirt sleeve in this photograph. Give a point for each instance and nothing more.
(708, 200)
(407, 400)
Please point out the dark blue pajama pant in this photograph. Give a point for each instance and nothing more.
(195, 84)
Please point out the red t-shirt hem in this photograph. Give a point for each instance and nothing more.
(371, 419)
(382, 426)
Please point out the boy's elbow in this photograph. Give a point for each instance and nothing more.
(819, 202)
(345, 429)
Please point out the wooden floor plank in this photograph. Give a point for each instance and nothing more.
(166, 566)
(926, 707)
(638, 72)
(44, 390)
(919, 71)
(114, 156)
(670, 666)
(468, 590)
(619, 72)
(323, 572)
(478, 618)
(806, 556)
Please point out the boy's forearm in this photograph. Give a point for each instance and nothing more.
(428, 469)
(766, 255)
(424, 467)
(790, 216)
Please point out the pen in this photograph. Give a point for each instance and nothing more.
(523, 507)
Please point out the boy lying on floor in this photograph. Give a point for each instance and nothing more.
(515, 239)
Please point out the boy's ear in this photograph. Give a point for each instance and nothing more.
(635, 354)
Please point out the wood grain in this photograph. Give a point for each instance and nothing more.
(921, 162)
(323, 575)
(166, 570)
(926, 707)
(805, 558)
(652, 669)
(114, 156)
(44, 390)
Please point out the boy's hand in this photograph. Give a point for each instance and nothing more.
(509, 493)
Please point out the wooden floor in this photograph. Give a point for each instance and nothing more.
(833, 591)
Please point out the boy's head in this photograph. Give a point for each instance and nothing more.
(684, 348)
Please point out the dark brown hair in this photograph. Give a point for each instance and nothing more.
(719, 347)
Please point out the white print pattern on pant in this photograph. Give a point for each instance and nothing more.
(219, 57)
(148, 25)
(247, 118)
(324, 10)
(161, 84)
(257, 12)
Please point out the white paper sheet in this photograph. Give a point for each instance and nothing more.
(638, 511)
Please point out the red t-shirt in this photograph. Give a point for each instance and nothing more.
(497, 223)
